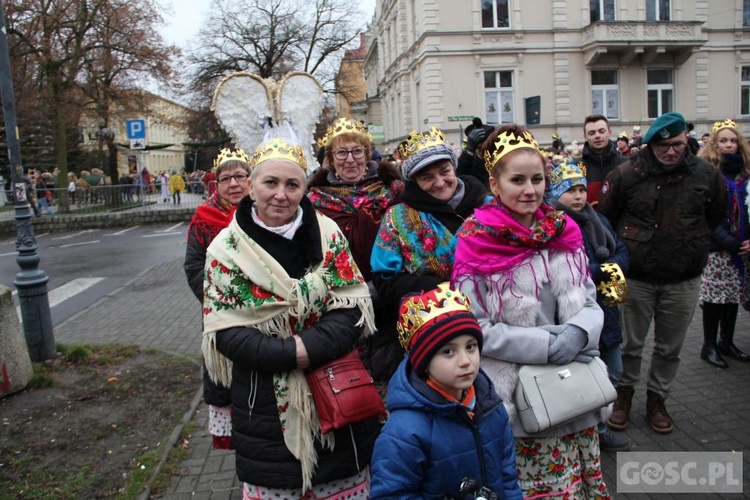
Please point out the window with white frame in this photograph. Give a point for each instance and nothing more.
(605, 93)
(746, 13)
(745, 91)
(495, 14)
(602, 10)
(498, 97)
(660, 89)
(657, 10)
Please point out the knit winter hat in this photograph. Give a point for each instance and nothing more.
(422, 150)
(429, 320)
(565, 176)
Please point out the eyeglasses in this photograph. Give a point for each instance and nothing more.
(342, 154)
(228, 178)
(663, 147)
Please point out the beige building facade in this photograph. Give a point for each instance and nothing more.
(547, 64)
(165, 125)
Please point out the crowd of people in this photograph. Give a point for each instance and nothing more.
(448, 273)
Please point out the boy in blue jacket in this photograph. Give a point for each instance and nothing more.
(568, 192)
(446, 421)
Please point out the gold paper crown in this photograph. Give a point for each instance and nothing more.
(567, 171)
(226, 154)
(614, 291)
(278, 149)
(416, 142)
(418, 310)
(506, 143)
(725, 124)
(623, 135)
(343, 126)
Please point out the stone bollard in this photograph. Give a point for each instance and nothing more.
(15, 363)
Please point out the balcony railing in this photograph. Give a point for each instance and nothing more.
(645, 39)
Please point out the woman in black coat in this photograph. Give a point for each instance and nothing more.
(283, 296)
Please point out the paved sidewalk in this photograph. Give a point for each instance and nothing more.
(155, 309)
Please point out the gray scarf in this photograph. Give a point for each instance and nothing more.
(594, 232)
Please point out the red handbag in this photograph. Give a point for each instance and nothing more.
(344, 392)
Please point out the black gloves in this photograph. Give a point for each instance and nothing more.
(475, 138)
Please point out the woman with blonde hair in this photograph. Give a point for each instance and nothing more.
(724, 280)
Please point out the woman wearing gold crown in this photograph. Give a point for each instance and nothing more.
(416, 241)
(724, 282)
(353, 190)
(523, 266)
(283, 294)
(232, 170)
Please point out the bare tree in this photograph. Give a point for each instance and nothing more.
(129, 50)
(271, 38)
(72, 53)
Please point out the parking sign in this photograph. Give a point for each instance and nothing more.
(136, 129)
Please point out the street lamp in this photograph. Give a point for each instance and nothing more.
(31, 282)
(101, 135)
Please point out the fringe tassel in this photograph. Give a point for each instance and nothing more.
(218, 366)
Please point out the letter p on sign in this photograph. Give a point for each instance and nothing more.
(136, 129)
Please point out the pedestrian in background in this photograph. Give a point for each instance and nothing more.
(176, 186)
(43, 195)
(72, 187)
(164, 186)
(723, 285)
(663, 206)
(599, 155)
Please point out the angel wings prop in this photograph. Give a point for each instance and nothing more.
(251, 108)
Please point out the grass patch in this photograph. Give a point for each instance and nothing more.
(99, 430)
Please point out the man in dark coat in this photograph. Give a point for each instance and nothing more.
(600, 155)
(471, 162)
(663, 205)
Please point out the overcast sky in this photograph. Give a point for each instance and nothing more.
(189, 14)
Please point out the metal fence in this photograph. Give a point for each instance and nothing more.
(98, 199)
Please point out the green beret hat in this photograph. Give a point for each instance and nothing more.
(666, 126)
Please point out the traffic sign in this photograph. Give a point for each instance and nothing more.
(137, 144)
(136, 129)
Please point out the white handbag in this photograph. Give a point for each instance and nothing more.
(549, 395)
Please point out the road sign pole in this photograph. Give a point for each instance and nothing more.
(31, 282)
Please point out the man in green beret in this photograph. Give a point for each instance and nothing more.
(663, 205)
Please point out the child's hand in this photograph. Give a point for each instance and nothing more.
(744, 248)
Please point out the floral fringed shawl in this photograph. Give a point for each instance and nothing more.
(413, 242)
(245, 286)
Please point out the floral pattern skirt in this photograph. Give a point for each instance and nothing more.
(721, 282)
(220, 426)
(565, 467)
(356, 487)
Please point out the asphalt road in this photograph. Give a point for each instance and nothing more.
(83, 266)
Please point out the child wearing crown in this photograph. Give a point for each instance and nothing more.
(447, 422)
(567, 187)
